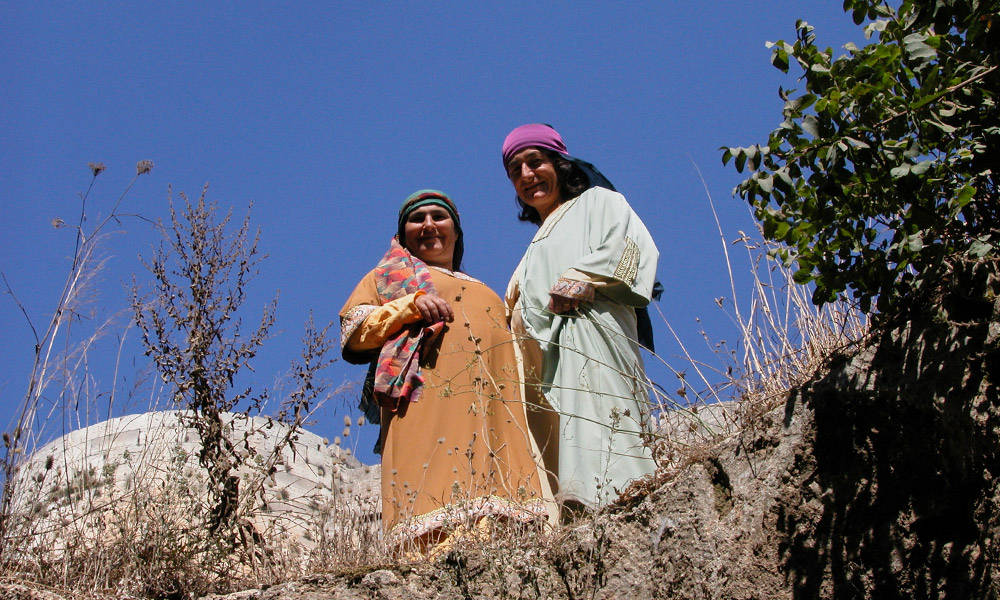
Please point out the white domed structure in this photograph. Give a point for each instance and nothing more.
(305, 490)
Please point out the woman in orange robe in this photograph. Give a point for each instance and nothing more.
(454, 443)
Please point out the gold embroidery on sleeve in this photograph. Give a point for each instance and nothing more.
(628, 266)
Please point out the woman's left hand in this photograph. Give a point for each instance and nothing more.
(561, 304)
(434, 308)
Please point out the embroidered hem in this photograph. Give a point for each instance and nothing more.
(471, 510)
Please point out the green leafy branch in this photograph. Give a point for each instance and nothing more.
(882, 168)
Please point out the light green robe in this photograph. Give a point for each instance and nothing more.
(593, 401)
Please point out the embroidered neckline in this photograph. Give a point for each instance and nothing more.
(550, 223)
(455, 274)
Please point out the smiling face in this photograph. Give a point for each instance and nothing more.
(535, 180)
(429, 233)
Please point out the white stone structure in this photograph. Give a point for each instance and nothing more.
(308, 489)
(85, 481)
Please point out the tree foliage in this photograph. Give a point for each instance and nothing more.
(884, 169)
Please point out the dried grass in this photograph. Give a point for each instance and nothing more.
(784, 340)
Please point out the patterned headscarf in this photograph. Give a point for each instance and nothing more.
(437, 198)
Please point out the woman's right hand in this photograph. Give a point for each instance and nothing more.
(434, 308)
(567, 295)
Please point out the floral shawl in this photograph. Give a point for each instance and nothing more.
(397, 370)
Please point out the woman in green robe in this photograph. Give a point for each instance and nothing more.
(573, 301)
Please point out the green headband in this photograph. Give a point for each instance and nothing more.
(429, 201)
(425, 197)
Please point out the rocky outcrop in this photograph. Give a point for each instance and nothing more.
(878, 479)
(905, 458)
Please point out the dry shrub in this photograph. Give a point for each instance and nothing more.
(140, 524)
(349, 537)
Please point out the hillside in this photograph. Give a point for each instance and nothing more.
(876, 479)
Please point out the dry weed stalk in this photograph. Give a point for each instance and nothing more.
(191, 330)
(47, 363)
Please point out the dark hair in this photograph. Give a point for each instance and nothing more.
(572, 181)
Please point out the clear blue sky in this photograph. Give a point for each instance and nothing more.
(326, 117)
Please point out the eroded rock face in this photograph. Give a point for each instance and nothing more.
(905, 457)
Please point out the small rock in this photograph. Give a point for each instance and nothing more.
(244, 595)
(380, 578)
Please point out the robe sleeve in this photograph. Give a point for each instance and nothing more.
(622, 260)
(365, 324)
(384, 321)
(512, 294)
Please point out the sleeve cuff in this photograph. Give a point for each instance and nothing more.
(571, 288)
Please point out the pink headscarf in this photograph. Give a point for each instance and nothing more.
(537, 135)
(540, 135)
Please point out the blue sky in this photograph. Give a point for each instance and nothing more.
(325, 117)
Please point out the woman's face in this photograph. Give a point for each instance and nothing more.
(535, 181)
(429, 233)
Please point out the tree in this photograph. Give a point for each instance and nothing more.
(884, 172)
